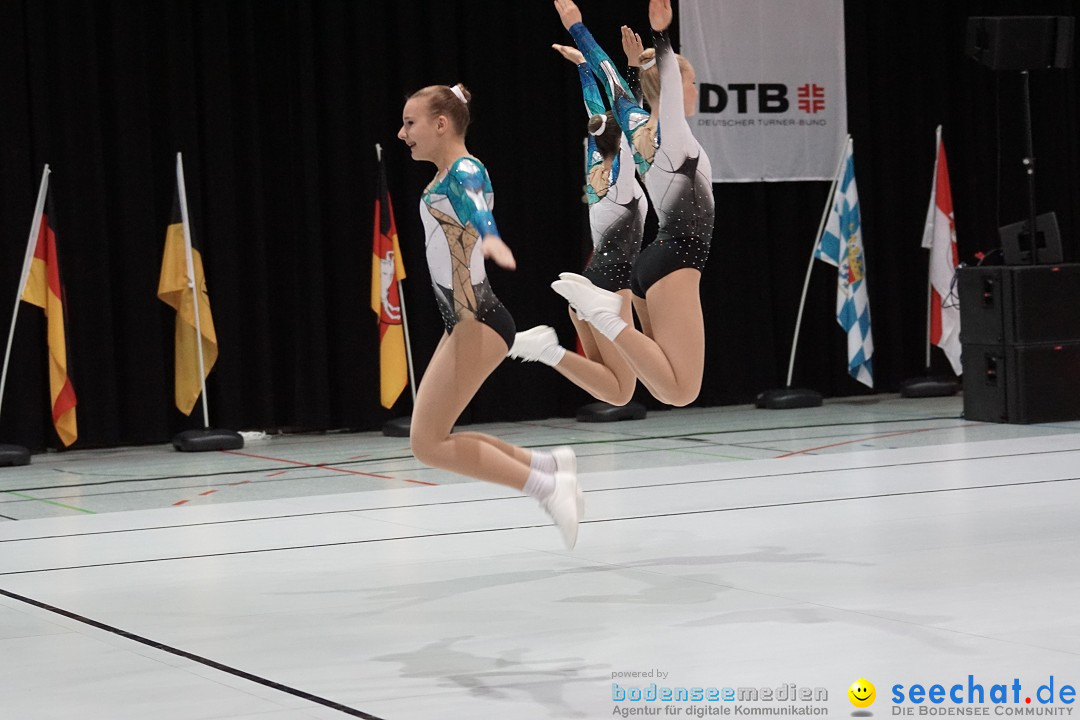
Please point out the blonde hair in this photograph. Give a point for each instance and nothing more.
(607, 141)
(650, 77)
(442, 100)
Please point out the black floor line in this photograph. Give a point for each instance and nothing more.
(191, 656)
(479, 500)
(454, 533)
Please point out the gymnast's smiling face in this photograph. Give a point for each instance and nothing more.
(423, 132)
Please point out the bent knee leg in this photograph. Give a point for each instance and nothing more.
(622, 396)
(426, 448)
(683, 396)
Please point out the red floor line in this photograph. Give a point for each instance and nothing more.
(326, 467)
(848, 442)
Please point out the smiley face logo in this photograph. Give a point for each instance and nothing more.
(862, 693)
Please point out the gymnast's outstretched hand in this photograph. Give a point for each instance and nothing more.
(632, 46)
(659, 14)
(570, 53)
(568, 12)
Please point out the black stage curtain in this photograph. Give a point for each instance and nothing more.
(277, 107)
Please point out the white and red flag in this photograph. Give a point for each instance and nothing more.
(939, 237)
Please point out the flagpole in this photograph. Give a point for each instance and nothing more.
(28, 259)
(929, 298)
(931, 220)
(404, 317)
(810, 267)
(191, 283)
(928, 385)
(408, 345)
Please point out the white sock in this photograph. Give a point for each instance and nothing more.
(543, 461)
(608, 323)
(540, 484)
(552, 355)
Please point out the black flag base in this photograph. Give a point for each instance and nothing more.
(14, 455)
(788, 398)
(207, 439)
(398, 427)
(603, 412)
(929, 386)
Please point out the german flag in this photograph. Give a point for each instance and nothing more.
(44, 289)
(174, 290)
(386, 270)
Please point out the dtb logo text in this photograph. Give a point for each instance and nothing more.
(762, 98)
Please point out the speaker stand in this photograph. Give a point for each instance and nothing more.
(1029, 165)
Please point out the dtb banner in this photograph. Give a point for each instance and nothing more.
(772, 99)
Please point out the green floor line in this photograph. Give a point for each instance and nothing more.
(49, 502)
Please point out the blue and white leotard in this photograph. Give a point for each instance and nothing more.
(456, 211)
(616, 210)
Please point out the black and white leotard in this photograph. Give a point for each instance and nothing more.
(675, 168)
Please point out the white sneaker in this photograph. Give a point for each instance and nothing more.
(561, 505)
(580, 279)
(574, 277)
(538, 344)
(586, 298)
(566, 461)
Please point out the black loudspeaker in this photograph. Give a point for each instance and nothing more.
(1020, 42)
(1022, 304)
(1020, 338)
(1022, 383)
(1016, 242)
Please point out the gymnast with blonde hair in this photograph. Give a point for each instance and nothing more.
(460, 233)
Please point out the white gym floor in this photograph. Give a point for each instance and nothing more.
(331, 575)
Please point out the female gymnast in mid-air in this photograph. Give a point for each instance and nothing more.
(460, 232)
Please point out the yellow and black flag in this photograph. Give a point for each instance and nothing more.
(386, 270)
(44, 289)
(175, 290)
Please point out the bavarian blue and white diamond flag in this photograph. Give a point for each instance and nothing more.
(841, 245)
